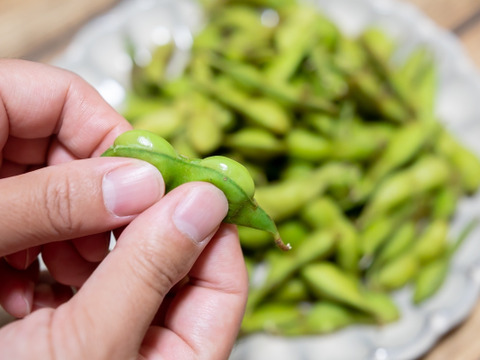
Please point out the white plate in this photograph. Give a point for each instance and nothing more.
(98, 54)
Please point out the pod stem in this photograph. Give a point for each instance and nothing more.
(281, 245)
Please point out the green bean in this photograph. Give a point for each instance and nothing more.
(176, 170)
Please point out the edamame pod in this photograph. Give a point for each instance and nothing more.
(465, 163)
(318, 245)
(328, 281)
(228, 175)
(429, 279)
(272, 318)
(284, 199)
(432, 242)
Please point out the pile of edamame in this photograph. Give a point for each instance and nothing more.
(347, 156)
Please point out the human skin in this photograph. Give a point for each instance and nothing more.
(175, 284)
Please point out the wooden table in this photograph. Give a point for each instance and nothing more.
(40, 29)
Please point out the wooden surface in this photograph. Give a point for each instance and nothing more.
(40, 29)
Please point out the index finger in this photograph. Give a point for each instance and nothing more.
(38, 101)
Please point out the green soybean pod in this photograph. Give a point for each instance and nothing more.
(328, 281)
(445, 202)
(249, 77)
(432, 275)
(465, 163)
(253, 239)
(396, 273)
(400, 241)
(430, 278)
(384, 308)
(164, 122)
(271, 318)
(294, 290)
(316, 246)
(432, 242)
(228, 175)
(286, 198)
(326, 317)
(306, 145)
(259, 111)
(402, 147)
(428, 173)
(254, 142)
(373, 236)
(322, 212)
(202, 130)
(293, 232)
(325, 213)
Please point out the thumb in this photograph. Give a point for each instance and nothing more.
(116, 305)
(74, 199)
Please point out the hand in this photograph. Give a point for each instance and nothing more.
(174, 285)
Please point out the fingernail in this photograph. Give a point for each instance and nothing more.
(19, 302)
(130, 189)
(199, 214)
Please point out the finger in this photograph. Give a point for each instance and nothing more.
(50, 295)
(16, 288)
(55, 102)
(8, 168)
(205, 315)
(65, 264)
(117, 304)
(24, 258)
(26, 151)
(75, 199)
(94, 247)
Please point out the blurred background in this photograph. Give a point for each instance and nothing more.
(40, 30)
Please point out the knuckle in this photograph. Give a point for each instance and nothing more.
(159, 272)
(59, 205)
